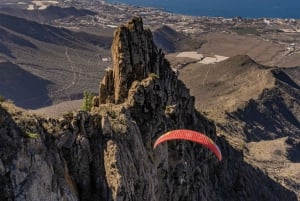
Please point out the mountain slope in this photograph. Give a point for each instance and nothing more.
(273, 122)
(171, 41)
(26, 89)
(40, 32)
(46, 15)
(60, 55)
(226, 85)
(276, 111)
(258, 110)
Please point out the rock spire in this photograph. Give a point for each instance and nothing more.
(135, 56)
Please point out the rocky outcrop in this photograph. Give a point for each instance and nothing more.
(134, 57)
(151, 101)
(107, 154)
(51, 159)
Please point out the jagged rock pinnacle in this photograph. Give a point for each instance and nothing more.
(134, 57)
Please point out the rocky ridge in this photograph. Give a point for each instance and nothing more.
(256, 108)
(270, 126)
(107, 154)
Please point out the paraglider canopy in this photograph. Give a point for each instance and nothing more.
(190, 135)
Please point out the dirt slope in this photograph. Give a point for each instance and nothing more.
(59, 109)
(256, 108)
(227, 85)
(71, 61)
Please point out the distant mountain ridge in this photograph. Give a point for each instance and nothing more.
(171, 41)
(42, 32)
(48, 14)
(24, 88)
(275, 113)
(274, 118)
(54, 54)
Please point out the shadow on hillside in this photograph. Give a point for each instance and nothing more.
(6, 51)
(244, 182)
(170, 41)
(269, 117)
(283, 76)
(293, 150)
(23, 88)
(46, 33)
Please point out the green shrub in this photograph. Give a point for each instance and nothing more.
(153, 76)
(31, 135)
(87, 101)
(246, 30)
(2, 99)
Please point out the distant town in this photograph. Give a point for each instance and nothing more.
(111, 15)
(285, 31)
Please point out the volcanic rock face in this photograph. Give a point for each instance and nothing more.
(107, 154)
(134, 57)
(152, 101)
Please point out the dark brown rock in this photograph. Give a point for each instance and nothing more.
(134, 57)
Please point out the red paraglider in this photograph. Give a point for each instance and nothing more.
(190, 135)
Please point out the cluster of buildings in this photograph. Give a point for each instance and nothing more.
(111, 15)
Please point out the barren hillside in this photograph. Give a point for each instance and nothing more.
(224, 86)
(70, 61)
(256, 108)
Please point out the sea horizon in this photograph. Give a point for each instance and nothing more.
(217, 8)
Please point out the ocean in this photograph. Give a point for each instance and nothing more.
(224, 8)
